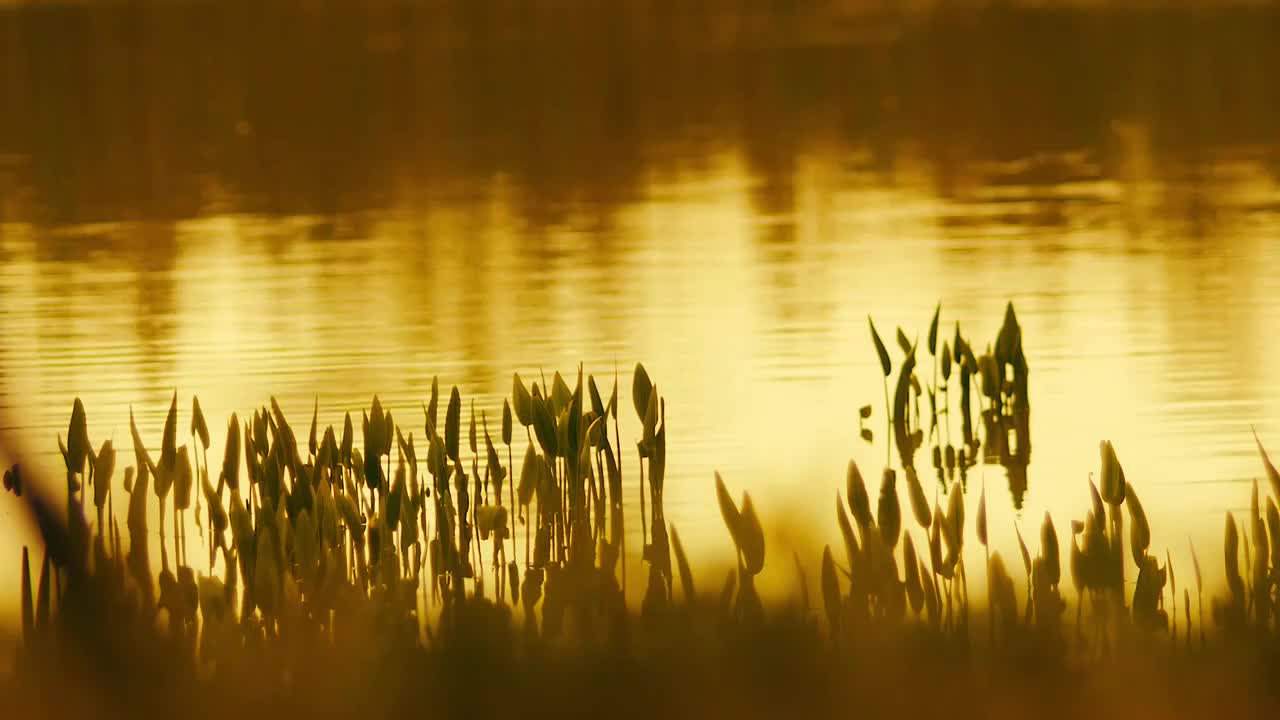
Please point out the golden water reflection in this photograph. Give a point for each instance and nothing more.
(733, 234)
(759, 343)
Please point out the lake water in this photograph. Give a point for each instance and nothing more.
(331, 204)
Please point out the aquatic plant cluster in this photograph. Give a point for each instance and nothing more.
(435, 561)
(998, 382)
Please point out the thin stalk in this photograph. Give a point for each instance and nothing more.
(617, 444)
(888, 422)
(528, 520)
(475, 526)
(946, 399)
(644, 532)
(511, 484)
(934, 405)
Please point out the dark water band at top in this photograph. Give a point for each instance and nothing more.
(183, 110)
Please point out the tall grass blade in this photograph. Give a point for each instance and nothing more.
(1049, 550)
(1231, 555)
(729, 512)
(1195, 565)
(169, 441)
(506, 422)
(911, 580)
(28, 605)
(453, 425)
(1139, 530)
(751, 537)
(859, 500)
(919, 503)
(888, 511)
(104, 466)
(682, 565)
(1273, 475)
(313, 445)
(1113, 482)
(881, 352)
(933, 330)
(1022, 549)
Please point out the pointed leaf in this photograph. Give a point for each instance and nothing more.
(506, 422)
(452, 425)
(881, 352)
(933, 330)
(728, 511)
(198, 426)
(682, 563)
(640, 387)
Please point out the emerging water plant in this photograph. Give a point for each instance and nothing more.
(338, 566)
(998, 379)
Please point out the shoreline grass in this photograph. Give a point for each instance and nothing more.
(395, 572)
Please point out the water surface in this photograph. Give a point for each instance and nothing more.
(333, 203)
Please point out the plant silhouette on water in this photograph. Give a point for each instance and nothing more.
(401, 572)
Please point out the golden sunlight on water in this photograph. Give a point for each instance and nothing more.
(732, 231)
(752, 324)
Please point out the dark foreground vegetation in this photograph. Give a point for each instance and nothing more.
(437, 575)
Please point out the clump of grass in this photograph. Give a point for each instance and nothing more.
(400, 554)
